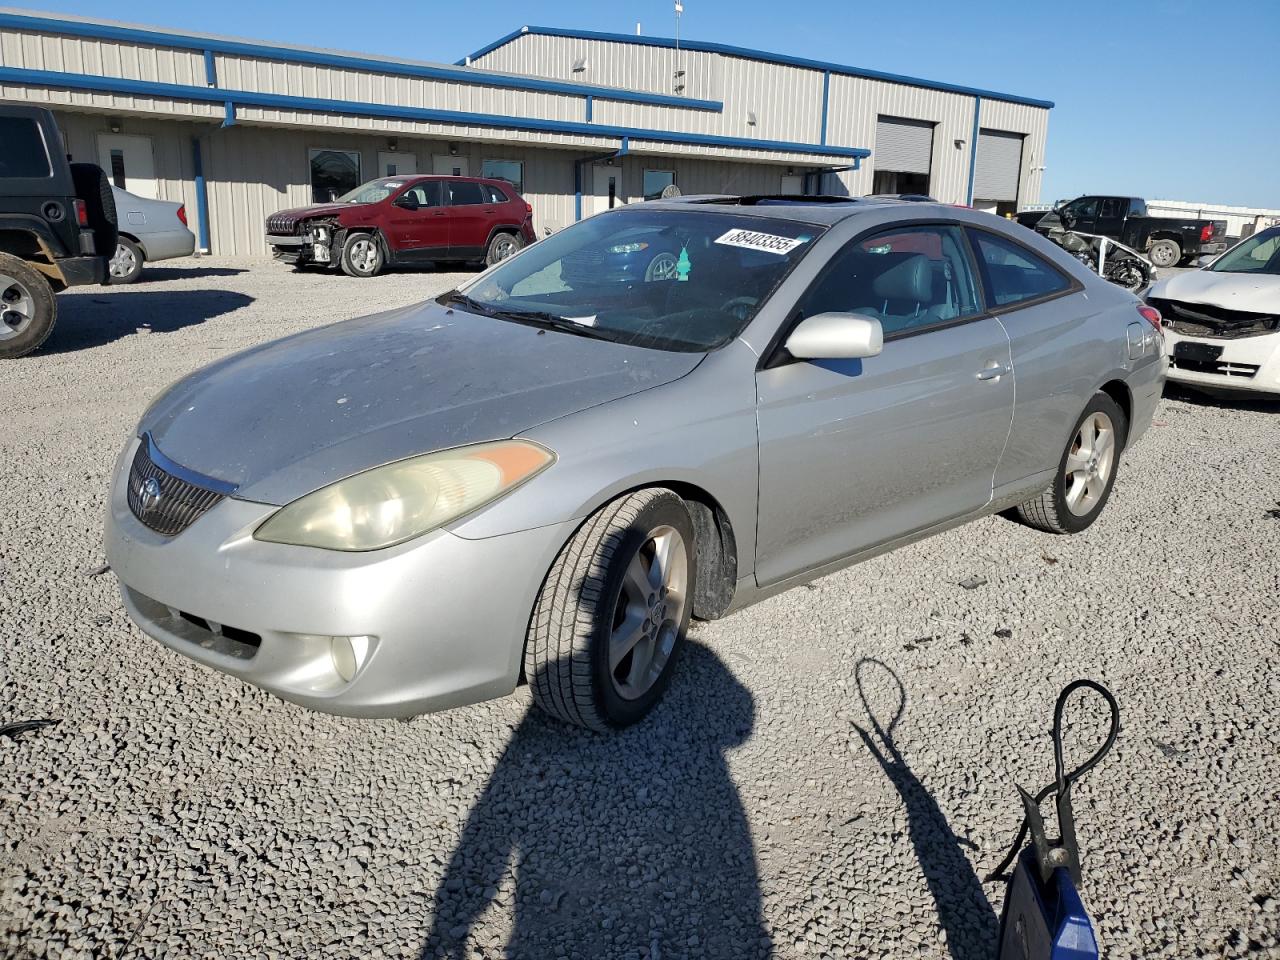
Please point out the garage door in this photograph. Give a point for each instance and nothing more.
(998, 165)
(903, 146)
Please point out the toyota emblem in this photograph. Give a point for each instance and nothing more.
(149, 494)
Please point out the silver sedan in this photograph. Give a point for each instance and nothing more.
(149, 230)
(542, 475)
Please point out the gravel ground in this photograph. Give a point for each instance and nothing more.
(178, 812)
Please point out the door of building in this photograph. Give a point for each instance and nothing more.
(397, 164)
(446, 166)
(997, 166)
(608, 188)
(792, 185)
(128, 162)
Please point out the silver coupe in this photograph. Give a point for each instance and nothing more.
(542, 475)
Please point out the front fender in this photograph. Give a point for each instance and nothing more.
(699, 430)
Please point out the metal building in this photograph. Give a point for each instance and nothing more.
(578, 121)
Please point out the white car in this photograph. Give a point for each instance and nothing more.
(149, 230)
(1222, 322)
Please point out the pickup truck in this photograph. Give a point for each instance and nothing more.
(1168, 241)
(57, 226)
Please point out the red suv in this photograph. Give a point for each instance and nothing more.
(405, 220)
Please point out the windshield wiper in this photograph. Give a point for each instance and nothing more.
(533, 318)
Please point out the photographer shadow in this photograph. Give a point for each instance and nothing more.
(962, 905)
(632, 844)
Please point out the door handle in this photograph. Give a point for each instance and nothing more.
(992, 371)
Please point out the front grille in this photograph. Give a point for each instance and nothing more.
(163, 500)
(1246, 371)
(1218, 323)
(282, 226)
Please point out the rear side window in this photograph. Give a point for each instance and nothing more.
(466, 192)
(494, 194)
(1013, 273)
(24, 154)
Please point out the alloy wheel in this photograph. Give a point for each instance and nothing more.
(123, 262)
(661, 267)
(364, 255)
(649, 613)
(17, 307)
(503, 247)
(1089, 464)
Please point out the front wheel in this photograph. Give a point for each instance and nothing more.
(362, 255)
(502, 246)
(27, 308)
(613, 612)
(1086, 472)
(1165, 253)
(126, 265)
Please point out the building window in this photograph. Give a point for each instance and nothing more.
(511, 171)
(333, 173)
(655, 181)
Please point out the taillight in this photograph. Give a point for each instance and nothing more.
(528, 208)
(1152, 316)
(1206, 233)
(82, 213)
(182, 214)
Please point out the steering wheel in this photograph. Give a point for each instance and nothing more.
(739, 307)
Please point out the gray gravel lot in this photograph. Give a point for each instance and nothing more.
(178, 812)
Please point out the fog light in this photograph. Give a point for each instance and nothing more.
(348, 655)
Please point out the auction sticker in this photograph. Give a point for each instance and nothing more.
(753, 240)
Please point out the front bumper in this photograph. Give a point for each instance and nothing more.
(443, 618)
(1245, 363)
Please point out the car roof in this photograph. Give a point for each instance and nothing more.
(822, 209)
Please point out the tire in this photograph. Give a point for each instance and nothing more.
(362, 255)
(28, 308)
(126, 265)
(1165, 253)
(1054, 510)
(501, 246)
(596, 595)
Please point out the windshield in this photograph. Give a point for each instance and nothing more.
(1259, 254)
(681, 280)
(372, 192)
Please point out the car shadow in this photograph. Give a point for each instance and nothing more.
(94, 319)
(600, 844)
(962, 905)
(153, 273)
(1223, 399)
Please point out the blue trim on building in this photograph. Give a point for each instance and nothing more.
(147, 88)
(210, 69)
(826, 96)
(589, 106)
(228, 113)
(973, 147)
(747, 53)
(202, 194)
(245, 48)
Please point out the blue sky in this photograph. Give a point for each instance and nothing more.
(1176, 99)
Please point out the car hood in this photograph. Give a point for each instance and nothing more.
(317, 210)
(1253, 292)
(289, 417)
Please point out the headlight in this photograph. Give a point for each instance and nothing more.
(629, 247)
(402, 500)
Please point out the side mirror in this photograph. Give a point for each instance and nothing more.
(836, 336)
(406, 201)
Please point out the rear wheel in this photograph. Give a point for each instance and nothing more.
(126, 265)
(362, 255)
(613, 612)
(1086, 472)
(502, 246)
(1165, 253)
(27, 308)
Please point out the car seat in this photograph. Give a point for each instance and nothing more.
(903, 294)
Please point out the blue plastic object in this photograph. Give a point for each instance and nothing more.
(1044, 921)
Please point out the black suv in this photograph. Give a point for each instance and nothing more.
(57, 226)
